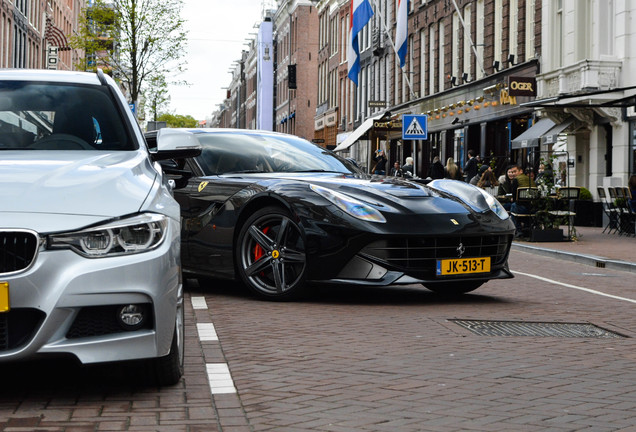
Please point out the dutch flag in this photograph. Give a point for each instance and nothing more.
(401, 31)
(361, 13)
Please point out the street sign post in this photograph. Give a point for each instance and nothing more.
(414, 127)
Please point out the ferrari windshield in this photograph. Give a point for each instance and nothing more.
(253, 152)
(60, 116)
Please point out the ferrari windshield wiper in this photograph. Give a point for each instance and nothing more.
(318, 171)
(245, 172)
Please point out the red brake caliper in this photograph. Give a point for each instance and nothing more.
(258, 250)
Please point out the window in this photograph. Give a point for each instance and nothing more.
(530, 11)
(479, 42)
(440, 51)
(498, 30)
(423, 48)
(514, 29)
(468, 52)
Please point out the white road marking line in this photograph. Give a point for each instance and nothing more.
(220, 378)
(575, 287)
(206, 332)
(199, 303)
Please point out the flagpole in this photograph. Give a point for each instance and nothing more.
(461, 19)
(397, 57)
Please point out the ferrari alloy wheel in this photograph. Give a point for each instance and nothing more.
(271, 254)
(453, 289)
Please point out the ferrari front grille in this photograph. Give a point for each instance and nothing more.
(17, 250)
(421, 253)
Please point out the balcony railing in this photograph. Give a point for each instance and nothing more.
(581, 77)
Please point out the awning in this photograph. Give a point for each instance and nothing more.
(550, 137)
(531, 137)
(356, 134)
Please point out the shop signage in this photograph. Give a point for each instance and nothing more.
(318, 140)
(331, 120)
(387, 126)
(506, 99)
(319, 124)
(377, 104)
(51, 58)
(522, 86)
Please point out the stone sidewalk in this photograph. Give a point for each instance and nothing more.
(592, 246)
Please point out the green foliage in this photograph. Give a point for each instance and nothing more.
(95, 36)
(585, 194)
(137, 39)
(178, 121)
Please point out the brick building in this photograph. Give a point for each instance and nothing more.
(33, 33)
(295, 35)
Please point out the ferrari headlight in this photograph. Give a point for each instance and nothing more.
(468, 193)
(124, 237)
(349, 205)
(495, 205)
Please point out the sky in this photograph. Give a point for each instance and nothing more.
(217, 32)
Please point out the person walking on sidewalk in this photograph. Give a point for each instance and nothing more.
(471, 166)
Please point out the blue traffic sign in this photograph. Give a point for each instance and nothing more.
(414, 127)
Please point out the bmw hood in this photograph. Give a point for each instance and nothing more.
(79, 183)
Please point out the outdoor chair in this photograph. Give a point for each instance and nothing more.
(527, 196)
(625, 214)
(564, 206)
(609, 210)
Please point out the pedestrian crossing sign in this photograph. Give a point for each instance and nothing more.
(414, 127)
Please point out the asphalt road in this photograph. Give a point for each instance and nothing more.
(360, 359)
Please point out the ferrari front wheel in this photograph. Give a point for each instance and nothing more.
(270, 254)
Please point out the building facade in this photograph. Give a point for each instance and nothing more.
(296, 52)
(33, 33)
(488, 74)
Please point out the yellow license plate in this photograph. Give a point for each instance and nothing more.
(4, 296)
(463, 266)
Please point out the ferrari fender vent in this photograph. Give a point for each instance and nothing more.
(17, 250)
(18, 326)
(421, 253)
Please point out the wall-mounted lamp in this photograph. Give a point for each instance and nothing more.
(465, 78)
(455, 121)
(511, 59)
(495, 65)
(453, 81)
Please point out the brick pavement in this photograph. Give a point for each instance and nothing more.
(371, 360)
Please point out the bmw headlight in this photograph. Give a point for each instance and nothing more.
(349, 205)
(137, 234)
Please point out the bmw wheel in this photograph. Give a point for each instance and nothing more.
(270, 254)
(167, 370)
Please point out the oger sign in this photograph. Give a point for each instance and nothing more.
(522, 86)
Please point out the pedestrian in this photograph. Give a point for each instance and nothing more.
(436, 170)
(504, 192)
(396, 171)
(471, 166)
(380, 162)
(452, 171)
(477, 177)
(407, 168)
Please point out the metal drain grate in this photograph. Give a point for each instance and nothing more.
(540, 329)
